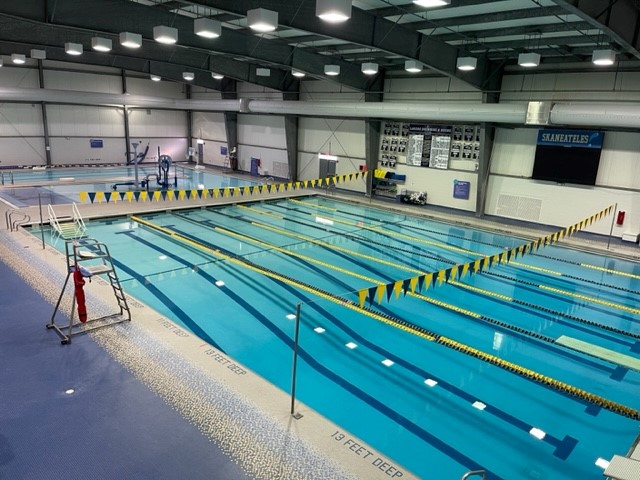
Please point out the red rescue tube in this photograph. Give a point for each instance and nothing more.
(78, 282)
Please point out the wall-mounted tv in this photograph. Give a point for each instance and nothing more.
(568, 156)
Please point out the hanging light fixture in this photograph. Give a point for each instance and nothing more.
(529, 59)
(332, 70)
(100, 44)
(262, 20)
(207, 28)
(165, 34)
(432, 3)
(263, 72)
(466, 64)
(603, 57)
(188, 76)
(297, 73)
(369, 68)
(38, 54)
(18, 58)
(130, 40)
(412, 66)
(73, 48)
(333, 11)
(217, 76)
(155, 78)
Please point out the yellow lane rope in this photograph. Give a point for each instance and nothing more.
(412, 329)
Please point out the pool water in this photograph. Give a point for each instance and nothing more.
(434, 410)
(70, 182)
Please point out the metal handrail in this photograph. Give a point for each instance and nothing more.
(14, 224)
(471, 473)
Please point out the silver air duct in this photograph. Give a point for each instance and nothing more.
(596, 115)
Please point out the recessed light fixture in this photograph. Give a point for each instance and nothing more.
(207, 28)
(165, 34)
(529, 60)
(412, 66)
(130, 40)
(73, 48)
(263, 72)
(536, 432)
(466, 64)
(332, 70)
(369, 68)
(38, 54)
(603, 57)
(217, 76)
(262, 20)
(18, 58)
(100, 44)
(188, 76)
(333, 11)
(155, 78)
(297, 73)
(432, 3)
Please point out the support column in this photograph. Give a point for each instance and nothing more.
(230, 92)
(45, 122)
(374, 93)
(127, 137)
(487, 135)
(189, 123)
(291, 123)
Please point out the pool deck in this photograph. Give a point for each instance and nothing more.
(179, 398)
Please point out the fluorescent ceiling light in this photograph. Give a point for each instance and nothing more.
(73, 48)
(333, 11)
(529, 60)
(217, 76)
(263, 72)
(207, 28)
(412, 66)
(467, 64)
(262, 20)
(130, 40)
(165, 34)
(603, 57)
(38, 54)
(18, 58)
(100, 44)
(155, 78)
(432, 3)
(332, 70)
(188, 76)
(369, 68)
(297, 73)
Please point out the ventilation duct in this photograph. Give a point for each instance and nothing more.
(596, 115)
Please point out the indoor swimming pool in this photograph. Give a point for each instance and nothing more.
(234, 275)
(69, 182)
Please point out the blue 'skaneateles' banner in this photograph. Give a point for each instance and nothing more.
(571, 138)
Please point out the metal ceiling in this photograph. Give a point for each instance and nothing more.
(386, 32)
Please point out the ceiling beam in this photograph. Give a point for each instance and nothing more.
(513, 31)
(411, 7)
(367, 30)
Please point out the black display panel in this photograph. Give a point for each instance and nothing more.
(568, 156)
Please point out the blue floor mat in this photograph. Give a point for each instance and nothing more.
(112, 427)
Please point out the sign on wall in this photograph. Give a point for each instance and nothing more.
(96, 143)
(461, 189)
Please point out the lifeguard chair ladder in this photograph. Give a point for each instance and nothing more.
(89, 257)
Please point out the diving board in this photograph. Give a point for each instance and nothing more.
(600, 352)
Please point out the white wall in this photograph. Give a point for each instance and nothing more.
(433, 89)
(263, 137)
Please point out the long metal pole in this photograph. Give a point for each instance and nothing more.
(295, 362)
(41, 224)
(613, 219)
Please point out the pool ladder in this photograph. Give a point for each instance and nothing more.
(9, 177)
(90, 257)
(67, 227)
(472, 473)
